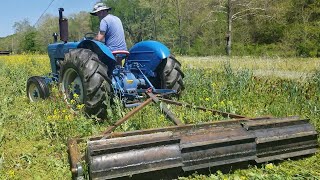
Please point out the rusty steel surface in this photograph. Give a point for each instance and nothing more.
(185, 127)
(120, 157)
(283, 138)
(74, 156)
(190, 148)
(200, 147)
(216, 147)
(173, 151)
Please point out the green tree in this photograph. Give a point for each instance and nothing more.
(22, 28)
(45, 29)
(79, 25)
(29, 43)
(94, 23)
(199, 27)
(134, 18)
(303, 31)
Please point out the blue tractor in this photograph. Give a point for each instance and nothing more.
(90, 70)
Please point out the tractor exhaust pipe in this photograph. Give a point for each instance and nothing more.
(63, 26)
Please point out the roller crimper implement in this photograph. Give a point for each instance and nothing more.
(170, 152)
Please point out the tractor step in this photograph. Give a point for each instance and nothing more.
(187, 148)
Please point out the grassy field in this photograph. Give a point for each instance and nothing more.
(33, 135)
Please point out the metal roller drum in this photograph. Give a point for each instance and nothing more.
(217, 147)
(187, 148)
(282, 138)
(128, 156)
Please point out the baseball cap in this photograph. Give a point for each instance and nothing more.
(99, 7)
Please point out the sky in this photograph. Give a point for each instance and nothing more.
(12, 11)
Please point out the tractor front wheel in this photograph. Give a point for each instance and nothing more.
(37, 89)
(84, 78)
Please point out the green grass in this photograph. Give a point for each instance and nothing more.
(33, 135)
(305, 65)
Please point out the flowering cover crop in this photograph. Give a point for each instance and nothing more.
(33, 136)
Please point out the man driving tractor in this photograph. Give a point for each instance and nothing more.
(111, 29)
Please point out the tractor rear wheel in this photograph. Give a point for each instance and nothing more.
(171, 76)
(84, 77)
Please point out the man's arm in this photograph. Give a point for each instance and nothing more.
(100, 36)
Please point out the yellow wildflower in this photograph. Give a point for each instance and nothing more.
(75, 96)
(67, 117)
(269, 166)
(55, 117)
(54, 88)
(162, 117)
(11, 173)
(80, 106)
(49, 117)
(243, 178)
(72, 101)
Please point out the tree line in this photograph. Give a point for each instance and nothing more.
(198, 27)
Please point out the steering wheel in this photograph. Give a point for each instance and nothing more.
(90, 35)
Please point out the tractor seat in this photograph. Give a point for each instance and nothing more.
(120, 55)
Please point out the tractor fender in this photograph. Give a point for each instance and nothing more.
(103, 52)
(149, 53)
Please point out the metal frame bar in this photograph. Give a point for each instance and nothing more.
(127, 116)
(165, 109)
(224, 114)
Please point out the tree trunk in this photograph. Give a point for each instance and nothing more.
(155, 34)
(228, 36)
(178, 9)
